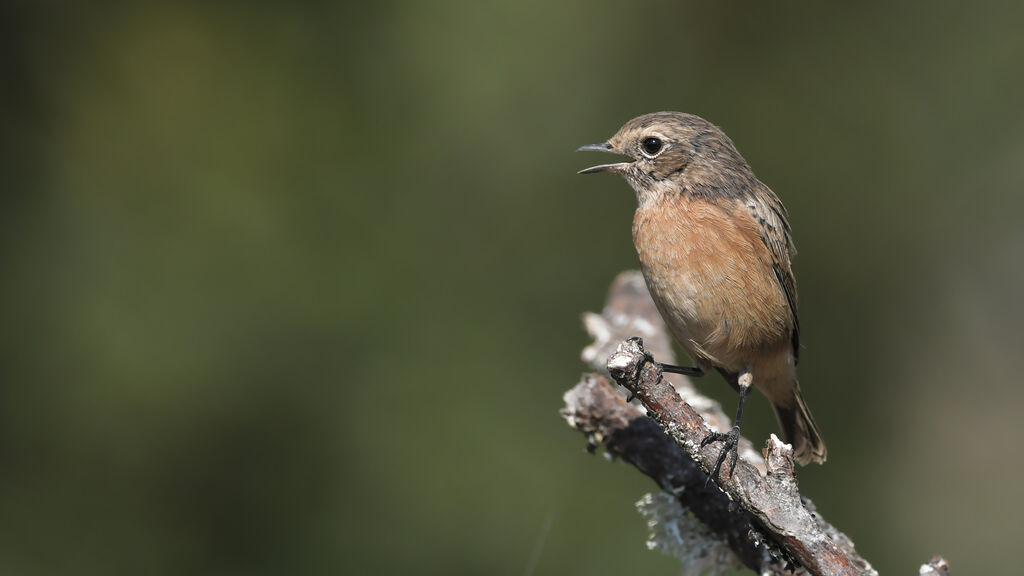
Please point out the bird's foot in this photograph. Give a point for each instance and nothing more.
(730, 445)
(650, 358)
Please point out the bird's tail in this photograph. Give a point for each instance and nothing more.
(799, 428)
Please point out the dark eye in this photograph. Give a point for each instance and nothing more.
(651, 145)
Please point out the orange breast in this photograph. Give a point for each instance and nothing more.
(711, 277)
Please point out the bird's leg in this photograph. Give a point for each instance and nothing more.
(695, 371)
(732, 437)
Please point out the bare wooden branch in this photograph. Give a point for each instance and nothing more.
(773, 500)
(596, 409)
(759, 511)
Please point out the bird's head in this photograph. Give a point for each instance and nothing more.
(667, 151)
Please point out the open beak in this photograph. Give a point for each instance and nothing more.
(618, 167)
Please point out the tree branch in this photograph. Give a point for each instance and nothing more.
(758, 512)
(596, 409)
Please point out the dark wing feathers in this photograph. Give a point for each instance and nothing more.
(766, 208)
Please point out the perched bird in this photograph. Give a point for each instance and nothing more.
(715, 247)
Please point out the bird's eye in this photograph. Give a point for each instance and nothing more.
(651, 146)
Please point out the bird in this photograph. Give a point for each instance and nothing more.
(715, 250)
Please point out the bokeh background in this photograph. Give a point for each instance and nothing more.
(295, 288)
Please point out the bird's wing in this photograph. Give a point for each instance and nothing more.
(766, 208)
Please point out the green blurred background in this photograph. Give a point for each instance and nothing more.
(295, 288)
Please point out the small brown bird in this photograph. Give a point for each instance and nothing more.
(715, 247)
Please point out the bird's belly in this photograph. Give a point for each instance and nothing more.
(692, 311)
(714, 288)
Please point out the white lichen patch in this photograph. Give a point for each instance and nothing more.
(677, 533)
(937, 567)
(620, 361)
(643, 327)
(601, 331)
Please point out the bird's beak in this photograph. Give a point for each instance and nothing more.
(618, 167)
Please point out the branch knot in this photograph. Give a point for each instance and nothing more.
(625, 363)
